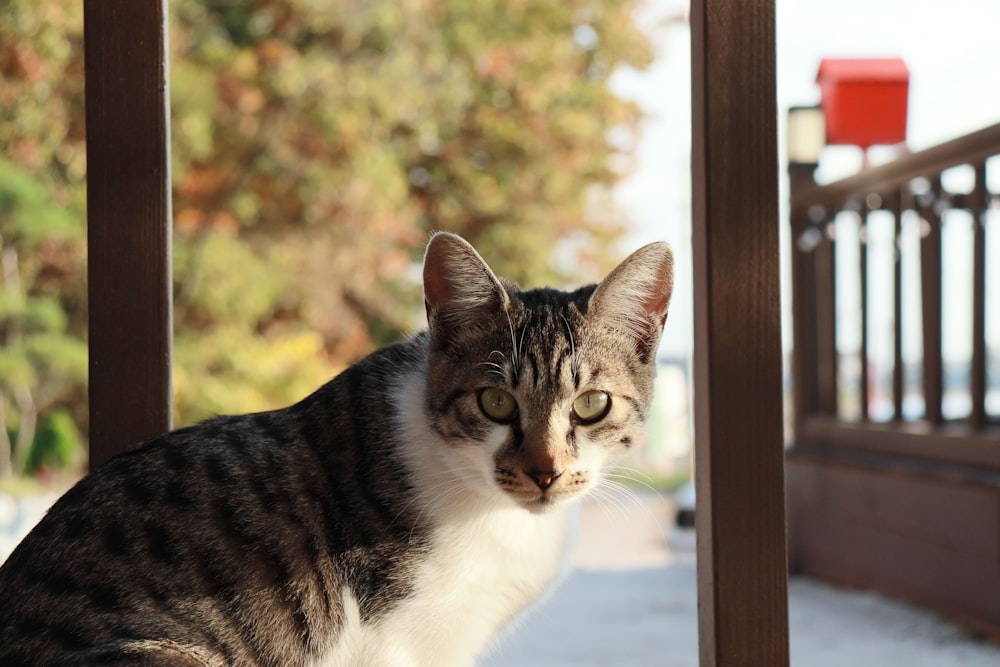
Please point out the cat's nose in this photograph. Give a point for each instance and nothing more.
(544, 479)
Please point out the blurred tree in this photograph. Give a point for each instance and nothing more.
(329, 139)
(57, 446)
(344, 133)
(315, 145)
(42, 363)
(42, 238)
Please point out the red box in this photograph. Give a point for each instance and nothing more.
(864, 100)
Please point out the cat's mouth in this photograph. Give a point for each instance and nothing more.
(541, 495)
(544, 503)
(540, 502)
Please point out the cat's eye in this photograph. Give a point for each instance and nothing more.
(497, 404)
(591, 406)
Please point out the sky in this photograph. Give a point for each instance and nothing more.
(953, 54)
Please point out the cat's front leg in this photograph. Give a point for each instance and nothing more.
(164, 653)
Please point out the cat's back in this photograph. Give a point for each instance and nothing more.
(236, 536)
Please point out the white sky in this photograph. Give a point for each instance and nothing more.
(953, 53)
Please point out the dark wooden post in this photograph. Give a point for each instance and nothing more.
(805, 352)
(863, 256)
(742, 573)
(977, 383)
(894, 203)
(930, 279)
(128, 222)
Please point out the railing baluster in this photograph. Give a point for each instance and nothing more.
(803, 259)
(977, 383)
(863, 247)
(930, 278)
(894, 203)
(826, 326)
(911, 183)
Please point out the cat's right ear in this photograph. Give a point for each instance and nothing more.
(460, 289)
(633, 299)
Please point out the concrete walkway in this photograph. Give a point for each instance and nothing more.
(631, 600)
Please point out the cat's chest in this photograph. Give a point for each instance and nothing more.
(480, 575)
(510, 555)
(476, 577)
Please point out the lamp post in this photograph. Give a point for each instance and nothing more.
(806, 135)
(806, 138)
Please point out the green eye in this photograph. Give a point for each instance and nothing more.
(498, 405)
(591, 406)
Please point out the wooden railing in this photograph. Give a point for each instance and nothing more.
(882, 359)
(893, 467)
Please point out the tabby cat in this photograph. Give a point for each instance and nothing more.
(403, 514)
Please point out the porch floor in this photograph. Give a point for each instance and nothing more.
(631, 600)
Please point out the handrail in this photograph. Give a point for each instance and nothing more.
(970, 148)
(817, 270)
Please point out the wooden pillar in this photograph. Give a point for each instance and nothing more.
(128, 223)
(742, 573)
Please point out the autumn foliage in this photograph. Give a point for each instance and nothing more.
(315, 145)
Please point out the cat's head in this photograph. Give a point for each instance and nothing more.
(533, 391)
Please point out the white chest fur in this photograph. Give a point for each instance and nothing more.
(479, 575)
(487, 560)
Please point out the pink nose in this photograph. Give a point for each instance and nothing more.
(544, 479)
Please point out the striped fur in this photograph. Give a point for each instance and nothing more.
(383, 520)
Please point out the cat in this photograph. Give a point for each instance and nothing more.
(403, 514)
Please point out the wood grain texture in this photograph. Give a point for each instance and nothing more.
(128, 221)
(742, 577)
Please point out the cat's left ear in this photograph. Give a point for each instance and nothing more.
(634, 298)
(460, 289)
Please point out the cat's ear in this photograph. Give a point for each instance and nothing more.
(460, 290)
(633, 299)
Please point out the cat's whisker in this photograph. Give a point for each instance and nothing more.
(494, 368)
(520, 347)
(610, 491)
(624, 468)
(600, 496)
(621, 491)
(516, 355)
(430, 507)
(572, 347)
(611, 505)
(597, 496)
(646, 485)
(429, 499)
(416, 499)
(624, 493)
